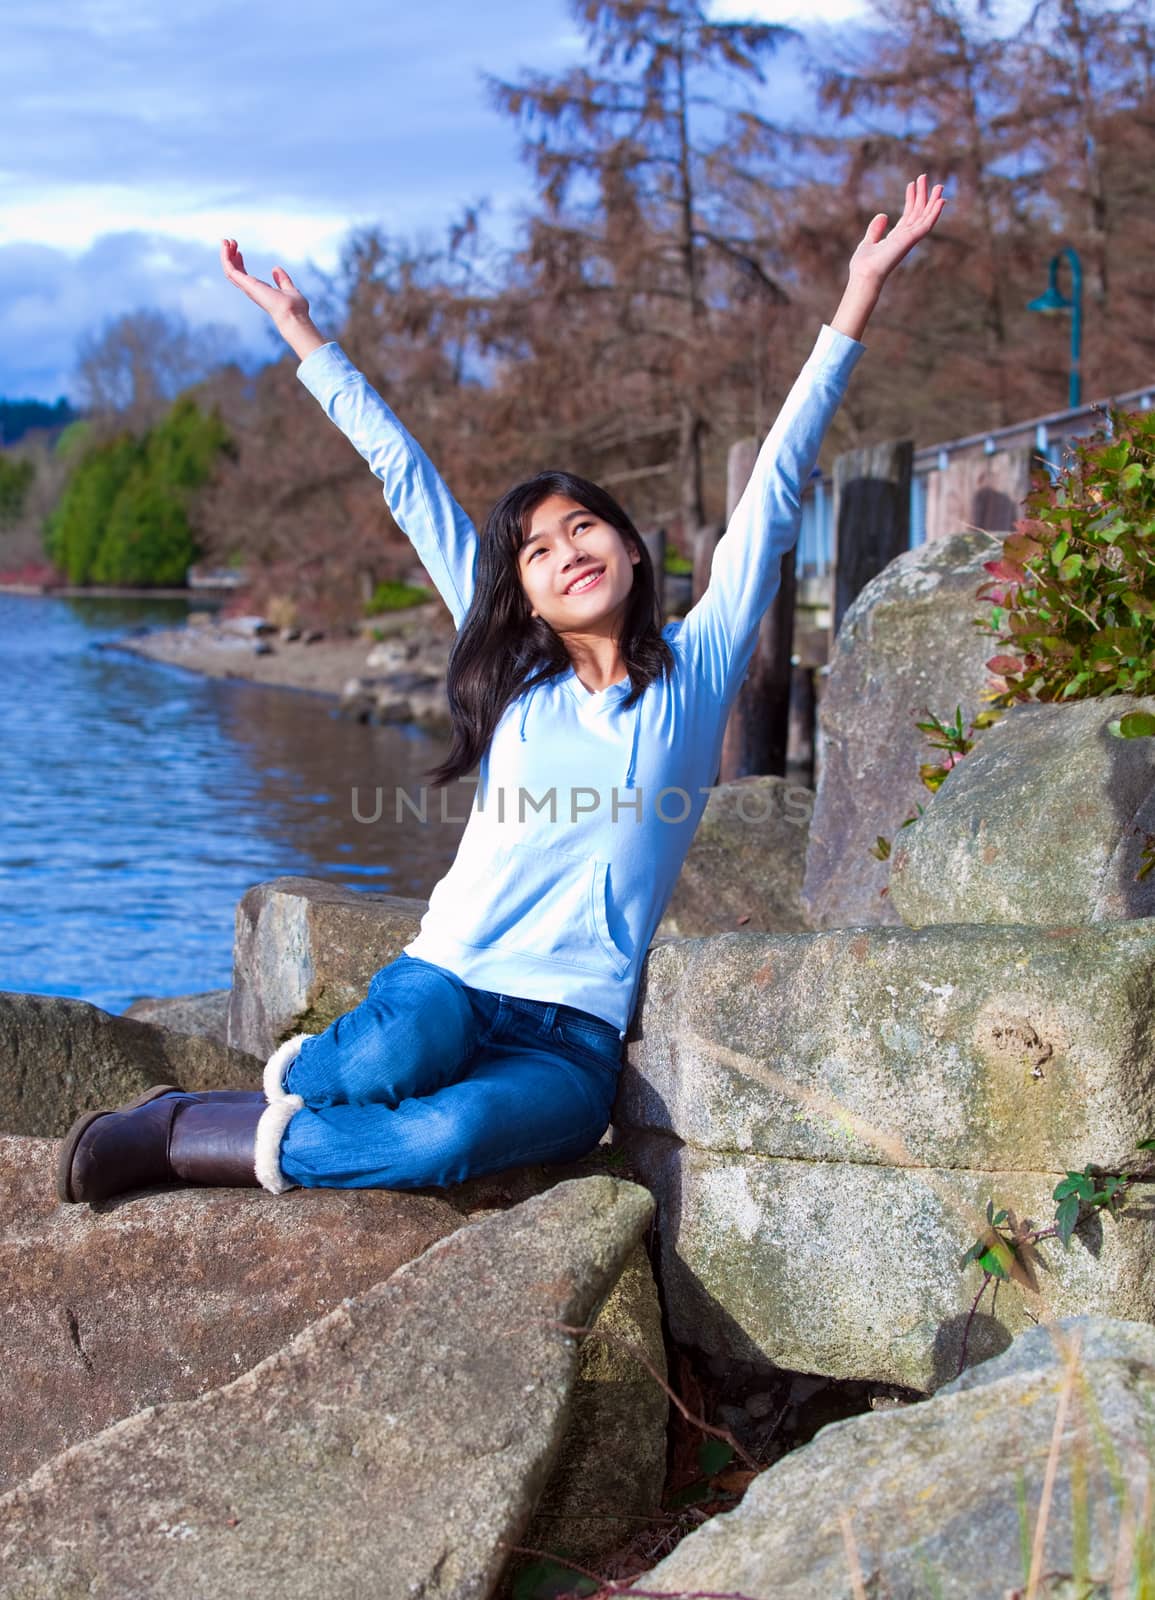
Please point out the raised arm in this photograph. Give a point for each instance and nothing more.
(721, 630)
(422, 506)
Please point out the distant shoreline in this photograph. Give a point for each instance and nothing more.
(331, 666)
(324, 667)
(67, 591)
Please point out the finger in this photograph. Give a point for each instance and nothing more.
(925, 202)
(231, 258)
(927, 221)
(282, 280)
(876, 228)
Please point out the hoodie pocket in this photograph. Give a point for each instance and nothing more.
(543, 903)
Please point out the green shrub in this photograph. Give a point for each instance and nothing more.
(1074, 589)
(76, 527)
(1072, 595)
(123, 516)
(677, 565)
(146, 539)
(394, 596)
(73, 439)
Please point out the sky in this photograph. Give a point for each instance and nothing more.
(134, 134)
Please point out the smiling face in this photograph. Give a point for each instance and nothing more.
(576, 569)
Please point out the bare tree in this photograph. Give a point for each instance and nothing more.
(930, 88)
(132, 370)
(619, 152)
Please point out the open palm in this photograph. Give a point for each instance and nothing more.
(880, 252)
(281, 298)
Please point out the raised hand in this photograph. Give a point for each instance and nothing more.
(880, 252)
(281, 299)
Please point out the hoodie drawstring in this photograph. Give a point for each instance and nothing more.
(629, 782)
(631, 764)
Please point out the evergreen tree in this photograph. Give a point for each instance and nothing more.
(77, 526)
(148, 538)
(123, 517)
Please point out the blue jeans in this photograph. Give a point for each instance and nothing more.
(429, 1081)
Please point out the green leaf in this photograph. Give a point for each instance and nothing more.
(713, 1455)
(1133, 725)
(542, 1580)
(1066, 1217)
(1070, 568)
(997, 1259)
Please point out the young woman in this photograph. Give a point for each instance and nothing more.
(494, 1039)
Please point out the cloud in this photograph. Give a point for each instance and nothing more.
(50, 297)
(133, 136)
(208, 108)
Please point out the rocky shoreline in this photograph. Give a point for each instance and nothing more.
(356, 667)
(819, 1223)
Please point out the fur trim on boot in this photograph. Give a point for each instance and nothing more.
(278, 1064)
(270, 1131)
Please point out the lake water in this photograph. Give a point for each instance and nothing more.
(138, 802)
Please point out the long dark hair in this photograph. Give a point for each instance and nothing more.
(501, 649)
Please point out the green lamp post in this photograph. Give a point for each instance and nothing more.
(1054, 301)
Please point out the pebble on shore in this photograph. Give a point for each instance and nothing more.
(290, 658)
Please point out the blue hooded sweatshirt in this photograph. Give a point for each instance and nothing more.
(584, 810)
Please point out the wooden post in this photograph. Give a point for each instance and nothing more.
(800, 748)
(978, 491)
(871, 520)
(757, 728)
(654, 540)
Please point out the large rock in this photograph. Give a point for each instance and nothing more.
(943, 1498)
(1045, 820)
(611, 1467)
(205, 1013)
(59, 1058)
(395, 1447)
(168, 1293)
(979, 1048)
(744, 868)
(906, 645)
(304, 954)
(852, 1271)
(824, 1117)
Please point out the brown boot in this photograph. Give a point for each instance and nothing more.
(251, 1097)
(167, 1136)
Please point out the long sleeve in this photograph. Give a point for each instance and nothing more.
(721, 630)
(424, 510)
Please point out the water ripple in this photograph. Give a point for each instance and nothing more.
(138, 803)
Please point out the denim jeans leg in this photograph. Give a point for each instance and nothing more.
(523, 1098)
(412, 1034)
